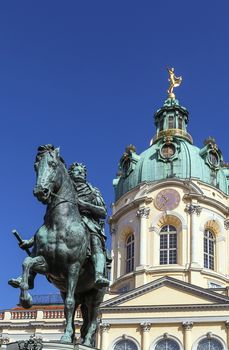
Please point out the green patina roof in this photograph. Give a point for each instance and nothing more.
(186, 162)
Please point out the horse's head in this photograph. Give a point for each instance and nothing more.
(49, 169)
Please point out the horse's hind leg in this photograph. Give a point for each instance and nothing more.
(70, 304)
(93, 310)
(37, 264)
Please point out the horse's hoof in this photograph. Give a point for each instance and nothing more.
(66, 339)
(15, 282)
(26, 303)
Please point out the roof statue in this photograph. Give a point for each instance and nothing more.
(174, 82)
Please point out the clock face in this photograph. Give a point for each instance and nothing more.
(167, 199)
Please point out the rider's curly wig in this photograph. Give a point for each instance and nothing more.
(74, 165)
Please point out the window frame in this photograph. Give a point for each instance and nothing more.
(208, 247)
(168, 243)
(212, 338)
(130, 253)
(124, 337)
(167, 340)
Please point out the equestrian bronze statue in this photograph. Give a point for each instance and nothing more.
(69, 248)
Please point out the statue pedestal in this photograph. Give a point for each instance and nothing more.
(49, 346)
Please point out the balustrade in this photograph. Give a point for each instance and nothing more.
(23, 315)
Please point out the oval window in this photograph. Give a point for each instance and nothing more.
(167, 151)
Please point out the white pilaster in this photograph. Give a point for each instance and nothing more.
(145, 328)
(194, 211)
(187, 335)
(143, 214)
(104, 336)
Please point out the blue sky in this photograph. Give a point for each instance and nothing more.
(87, 76)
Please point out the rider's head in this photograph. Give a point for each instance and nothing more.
(77, 172)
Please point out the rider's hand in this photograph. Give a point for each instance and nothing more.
(82, 205)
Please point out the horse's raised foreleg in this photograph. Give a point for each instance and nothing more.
(37, 264)
(70, 304)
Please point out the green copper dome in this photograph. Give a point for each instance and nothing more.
(172, 155)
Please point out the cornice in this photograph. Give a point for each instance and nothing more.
(164, 308)
(169, 281)
(165, 320)
(202, 199)
(42, 325)
(128, 207)
(194, 192)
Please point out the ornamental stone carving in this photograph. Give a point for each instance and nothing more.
(105, 327)
(145, 326)
(209, 335)
(226, 224)
(143, 212)
(4, 340)
(113, 229)
(32, 344)
(187, 325)
(191, 209)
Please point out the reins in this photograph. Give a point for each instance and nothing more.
(66, 200)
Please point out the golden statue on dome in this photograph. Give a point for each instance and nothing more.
(174, 82)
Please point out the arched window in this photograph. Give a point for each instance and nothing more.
(125, 344)
(180, 123)
(168, 245)
(209, 249)
(130, 253)
(167, 344)
(209, 344)
(161, 124)
(171, 122)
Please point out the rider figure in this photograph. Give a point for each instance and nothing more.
(93, 211)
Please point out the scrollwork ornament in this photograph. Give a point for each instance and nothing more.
(113, 229)
(143, 212)
(105, 327)
(145, 326)
(226, 224)
(188, 325)
(209, 335)
(193, 209)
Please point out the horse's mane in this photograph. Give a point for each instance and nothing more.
(44, 149)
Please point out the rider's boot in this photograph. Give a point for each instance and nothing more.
(99, 261)
(16, 282)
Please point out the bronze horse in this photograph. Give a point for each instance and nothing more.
(60, 247)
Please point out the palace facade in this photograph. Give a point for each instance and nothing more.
(170, 248)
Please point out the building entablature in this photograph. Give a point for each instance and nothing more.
(190, 191)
